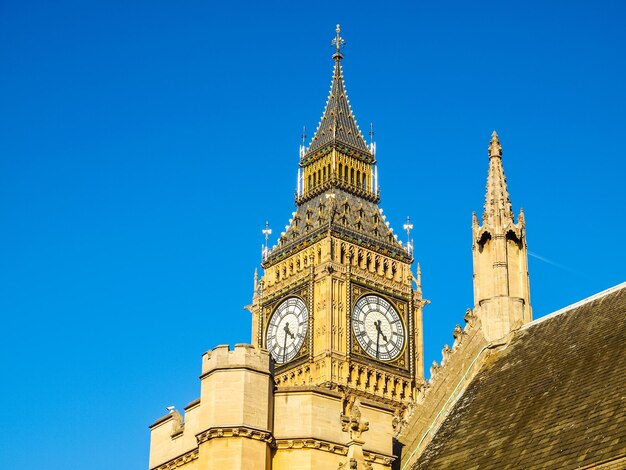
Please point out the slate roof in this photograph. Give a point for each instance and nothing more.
(353, 218)
(554, 398)
(338, 124)
(345, 210)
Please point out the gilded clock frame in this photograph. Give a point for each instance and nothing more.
(402, 306)
(269, 308)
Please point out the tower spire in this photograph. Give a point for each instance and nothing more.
(501, 285)
(338, 125)
(337, 182)
(497, 202)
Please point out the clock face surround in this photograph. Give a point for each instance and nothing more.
(378, 328)
(287, 330)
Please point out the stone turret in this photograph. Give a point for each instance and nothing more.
(230, 425)
(501, 285)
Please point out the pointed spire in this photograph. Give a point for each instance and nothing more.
(338, 124)
(418, 281)
(497, 202)
(255, 291)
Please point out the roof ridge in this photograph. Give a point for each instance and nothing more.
(575, 305)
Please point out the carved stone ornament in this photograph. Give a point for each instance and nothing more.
(312, 444)
(470, 318)
(457, 334)
(351, 421)
(434, 368)
(235, 431)
(445, 354)
(179, 461)
(352, 464)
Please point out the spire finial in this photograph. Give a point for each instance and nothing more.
(372, 146)
(256, 283)
(497, 202)
(408, 226)
(303, 136)
(338, 42)
(303, 142)
(495, 149)
(267, 231)
(418, 281)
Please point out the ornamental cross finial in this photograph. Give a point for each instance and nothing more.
(267, 231)
(338, 42)
(419, 277)
(408, 226)
(372, 145)
(303, 136)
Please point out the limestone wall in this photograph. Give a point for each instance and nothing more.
(309, 433)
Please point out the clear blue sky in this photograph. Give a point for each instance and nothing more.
(143, 145)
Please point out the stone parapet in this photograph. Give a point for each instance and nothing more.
(236, 416)
(230, 425)
(170, 446)
(244, 356)
(447, 382)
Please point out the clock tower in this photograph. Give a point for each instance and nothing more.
(335, 360)
(337, 306)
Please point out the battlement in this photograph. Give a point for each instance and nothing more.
(243, 356)
(234, 411)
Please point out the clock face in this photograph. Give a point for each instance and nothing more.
(378, 328)
(287, 329)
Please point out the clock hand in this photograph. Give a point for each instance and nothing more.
(379, 333)
(287, 332)
(377, 337)
(377, 325)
